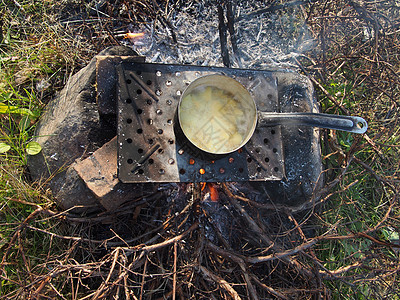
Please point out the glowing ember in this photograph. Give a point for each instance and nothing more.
(132, 35)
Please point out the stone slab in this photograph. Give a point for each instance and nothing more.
(70, 128)
(99, 171)
(99, 174)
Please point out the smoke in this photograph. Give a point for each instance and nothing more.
(264, 39)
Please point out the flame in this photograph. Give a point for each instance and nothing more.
(132, 35)
(213, 192)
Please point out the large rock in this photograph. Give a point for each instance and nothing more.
(70, 129)
(301, 146)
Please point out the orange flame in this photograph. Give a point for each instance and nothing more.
(131, 35)
(213, 192)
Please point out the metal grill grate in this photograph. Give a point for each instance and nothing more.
(151, 148)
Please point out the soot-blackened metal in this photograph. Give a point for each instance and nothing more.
(153, 149)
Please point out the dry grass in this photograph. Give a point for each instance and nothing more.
(162, 246)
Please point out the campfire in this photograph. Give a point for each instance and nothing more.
(179, 217)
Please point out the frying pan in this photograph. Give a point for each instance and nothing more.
(218, 115)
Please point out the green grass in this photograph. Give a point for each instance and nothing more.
(31, 60)
(358, 74)
(358, 209)
(37, 56)
(28, 58)
(363, 206)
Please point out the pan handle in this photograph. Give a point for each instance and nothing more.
(345, 123)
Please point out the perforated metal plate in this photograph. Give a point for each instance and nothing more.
(151, 149)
